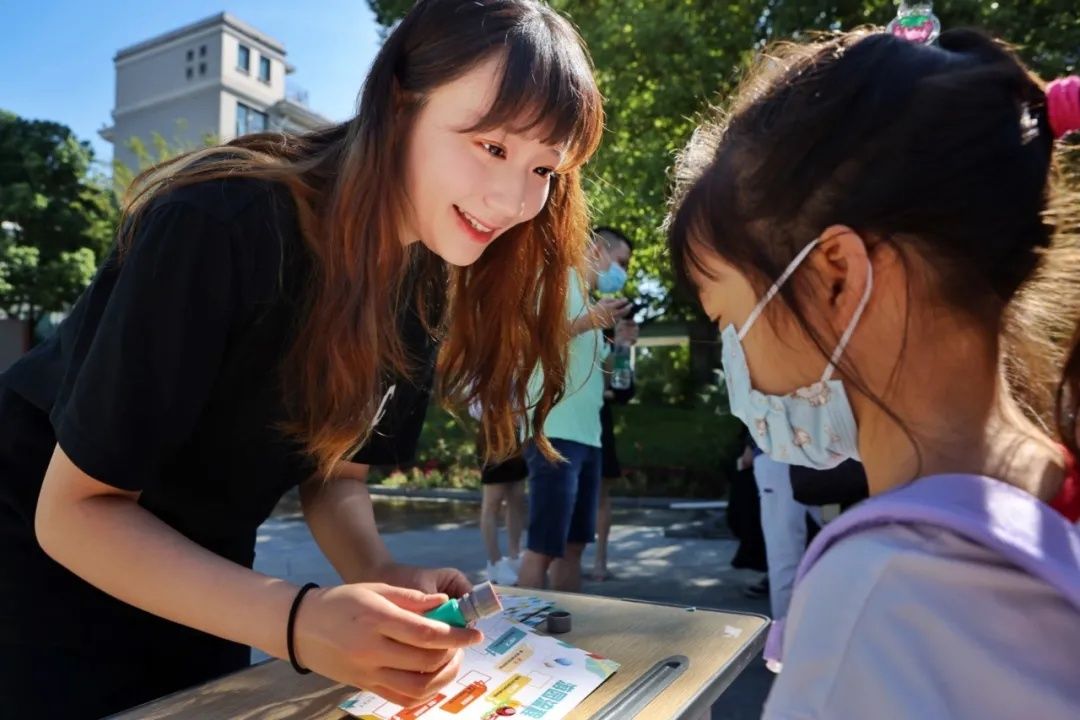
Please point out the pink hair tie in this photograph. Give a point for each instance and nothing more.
(1063, 105)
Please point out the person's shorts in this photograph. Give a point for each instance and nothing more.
(610, 468)
(507, 471)
(563, 497)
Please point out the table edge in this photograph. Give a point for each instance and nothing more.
(755, 646)
(722, 679)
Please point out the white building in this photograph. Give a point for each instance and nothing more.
(217, 77)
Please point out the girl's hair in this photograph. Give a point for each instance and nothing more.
(944, 152)
(500, 317)
(1068, 398)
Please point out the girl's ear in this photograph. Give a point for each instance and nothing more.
(843, 264)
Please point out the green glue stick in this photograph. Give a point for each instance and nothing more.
(481, 602)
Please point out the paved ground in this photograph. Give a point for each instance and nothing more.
(649, 566)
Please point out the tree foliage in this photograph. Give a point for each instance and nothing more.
(158, 151)
(659, 63)
(58, 216)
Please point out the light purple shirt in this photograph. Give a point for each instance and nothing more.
(915, 621)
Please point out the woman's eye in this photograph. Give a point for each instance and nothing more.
(545, 172)
(493, 150)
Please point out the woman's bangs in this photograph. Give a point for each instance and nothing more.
(547, 91)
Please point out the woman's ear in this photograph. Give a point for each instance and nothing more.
(843, 264)
(402, 100)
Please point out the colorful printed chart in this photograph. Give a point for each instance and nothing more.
(526, 609)
(515, 672)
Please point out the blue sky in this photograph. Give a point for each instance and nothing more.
(57, 54)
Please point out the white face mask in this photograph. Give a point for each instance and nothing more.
(813, 426)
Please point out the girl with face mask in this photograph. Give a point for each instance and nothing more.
(878, 233)
(274, 318)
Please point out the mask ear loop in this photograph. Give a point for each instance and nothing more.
(791, 268)
(846, 337)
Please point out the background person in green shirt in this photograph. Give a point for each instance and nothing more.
(563, 495)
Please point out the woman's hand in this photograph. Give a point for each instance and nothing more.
(438, 580)
(373, 636)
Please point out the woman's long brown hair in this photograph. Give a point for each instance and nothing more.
(499, 318)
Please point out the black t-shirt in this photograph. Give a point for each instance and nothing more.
(165, 378)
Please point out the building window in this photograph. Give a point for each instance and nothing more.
(264, 69)
(190, 55)
(202, 51)
(250, 120)
(202, 68)
(190, 72)
(243, 59)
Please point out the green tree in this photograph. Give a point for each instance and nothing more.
(660, 63)
(58, 216)
(159, 150)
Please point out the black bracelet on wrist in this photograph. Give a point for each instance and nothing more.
(289, 628)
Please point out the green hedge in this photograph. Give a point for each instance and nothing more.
(676, 451)
(666, 451)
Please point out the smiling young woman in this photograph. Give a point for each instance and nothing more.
(273, 317)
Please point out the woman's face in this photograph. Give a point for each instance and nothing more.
(465, 189)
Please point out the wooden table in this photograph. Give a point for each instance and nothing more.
(636, 634)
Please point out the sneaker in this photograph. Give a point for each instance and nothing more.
(510, 570)
(501, 573)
